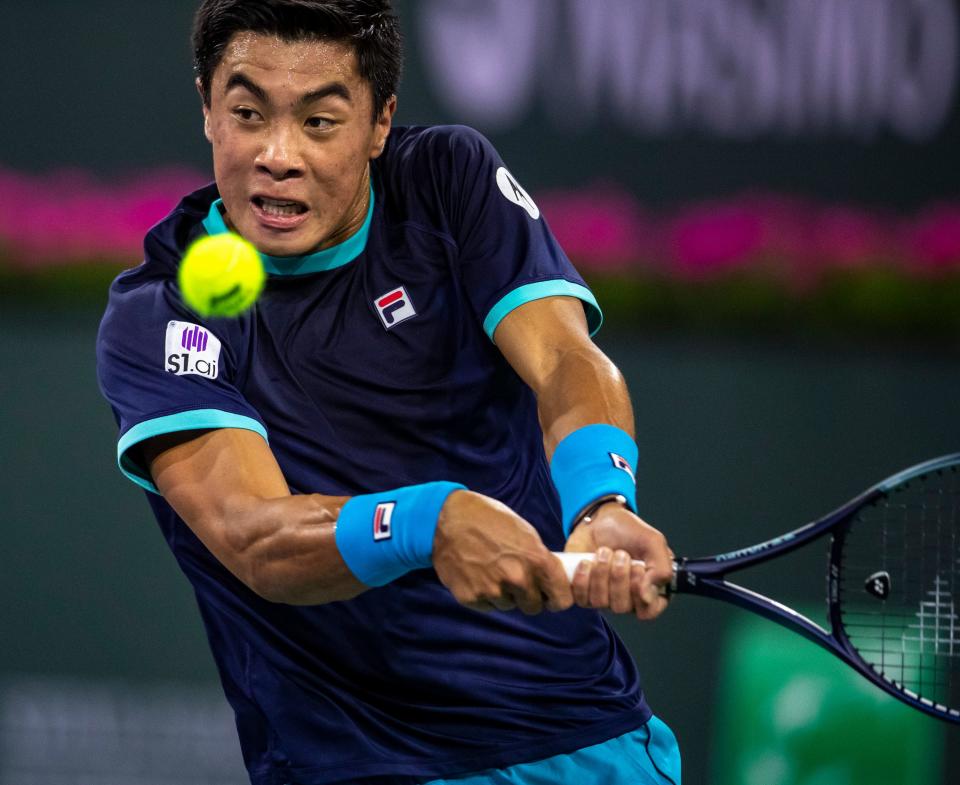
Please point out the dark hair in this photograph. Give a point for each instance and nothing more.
(369, 25)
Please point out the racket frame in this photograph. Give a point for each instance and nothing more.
(706, 577)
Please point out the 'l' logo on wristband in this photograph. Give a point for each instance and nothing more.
(382, 516)
(621, 463)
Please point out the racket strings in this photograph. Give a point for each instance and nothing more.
(899, 588)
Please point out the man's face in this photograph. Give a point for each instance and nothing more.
(290, 124)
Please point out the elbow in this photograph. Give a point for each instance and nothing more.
(281, 582)
(267, 587)
(270, 582)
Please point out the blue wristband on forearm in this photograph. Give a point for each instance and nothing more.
(381, 536)
(592, 462)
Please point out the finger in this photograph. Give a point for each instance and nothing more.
(553, 584)
(502, 602)
(581, 583)
(526, 599)
(600, 579)
(653, 609)
(621, 599)
(521, 589)
(648, 600)
(660, 570)
(480, 605)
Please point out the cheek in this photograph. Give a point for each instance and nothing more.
(228, 151)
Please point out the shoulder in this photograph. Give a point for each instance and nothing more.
(429, 172)
(140, 304)
(437, 149)
(147, 294)
(436, 138)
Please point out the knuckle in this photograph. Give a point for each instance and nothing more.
(599, 600)
(620, 606)
(514, 575)
(531, 608)
(488, 593)
(466, 597)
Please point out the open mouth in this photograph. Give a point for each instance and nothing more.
(280, 208)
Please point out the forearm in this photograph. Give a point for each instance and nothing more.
(583, 388)
(286, 549)
(227, 487)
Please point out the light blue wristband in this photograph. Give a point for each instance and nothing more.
(590, 463)
(382, 536)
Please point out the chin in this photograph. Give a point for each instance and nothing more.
(282, 246)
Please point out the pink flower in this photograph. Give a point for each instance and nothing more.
(932, 240)
(67, 217)
(603, 228)
(712, 239)
(848, 237)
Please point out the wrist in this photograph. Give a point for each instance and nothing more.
(448, 513)
(591, 464)
(593, 510)
(382, 536)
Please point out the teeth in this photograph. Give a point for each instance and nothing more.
(275, 207)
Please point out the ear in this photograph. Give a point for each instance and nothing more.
(381, 128)
(206, 111)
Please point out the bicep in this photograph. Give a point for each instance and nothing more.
(547, 343)
(535, 337)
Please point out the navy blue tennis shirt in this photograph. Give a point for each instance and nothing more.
(369, 366)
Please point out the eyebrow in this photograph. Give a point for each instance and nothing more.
(338, 89)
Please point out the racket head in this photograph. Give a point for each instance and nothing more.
(894, 586)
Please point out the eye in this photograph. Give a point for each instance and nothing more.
(245, 114)
(319, 123)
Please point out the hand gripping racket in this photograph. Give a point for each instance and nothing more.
(893, 584)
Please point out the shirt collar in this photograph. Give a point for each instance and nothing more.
(321, 261)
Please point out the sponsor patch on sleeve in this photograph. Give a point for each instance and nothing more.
(190, 349)
(512, 190)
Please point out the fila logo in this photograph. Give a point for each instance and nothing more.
(394, 307)
(623, 464)
(382, 517)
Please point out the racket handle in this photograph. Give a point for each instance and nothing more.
(571, 560)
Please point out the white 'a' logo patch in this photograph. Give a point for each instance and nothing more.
(511, 189)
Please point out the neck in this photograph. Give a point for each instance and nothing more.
(355, 217)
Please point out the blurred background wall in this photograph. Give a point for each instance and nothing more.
(762, 193)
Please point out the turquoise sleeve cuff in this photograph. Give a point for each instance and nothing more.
(193, 420)
(381, 536)
(557, 287)
(592, 462)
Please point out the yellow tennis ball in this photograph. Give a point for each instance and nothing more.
(221, 275)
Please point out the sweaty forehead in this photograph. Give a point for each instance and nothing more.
(288, 63)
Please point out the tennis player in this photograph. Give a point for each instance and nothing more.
(393, 439)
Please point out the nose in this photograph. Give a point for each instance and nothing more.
(280, 156)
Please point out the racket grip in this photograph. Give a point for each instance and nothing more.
(570, 561)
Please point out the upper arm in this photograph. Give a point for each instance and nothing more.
(548, 345)
(536, 336)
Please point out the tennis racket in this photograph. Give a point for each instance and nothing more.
(892, 584)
